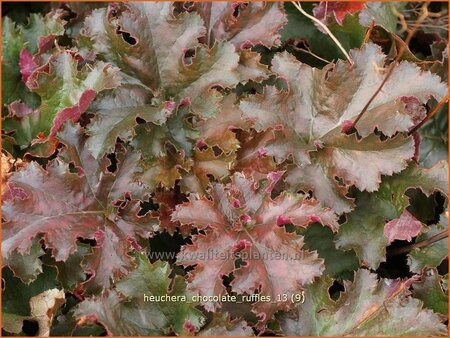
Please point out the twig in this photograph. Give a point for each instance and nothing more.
(308, 51)
(321, 24)
(398, 251)
(431, 114)
(369, 32)
(420, 19)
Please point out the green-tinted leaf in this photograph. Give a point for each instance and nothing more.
(116, 118)
(40, 31)
(24, 121)
(28, 266)
(208, 68)
(368, 307)
(16, 297)
(12, 43)
(12, 323)
(124, 311)
(67, 92)
(434, 139)
(165, 56)
(338, 264)
(70, 272)
(350, 34)
(151, 139)
(221, 325)
(364, 230)
(432, 255)
(382, 13)
(429, 290)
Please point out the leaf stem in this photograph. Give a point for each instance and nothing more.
(325, 28)
(403, 47)
(431, 114)
(398, 251)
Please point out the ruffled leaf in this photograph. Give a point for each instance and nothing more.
(429, 290)
(37, 35)
(242, 23)
(364, 230)
(430, 256)
(243, 221)
(64, 206)
(368, 307)
(121, 310)
(311, 114)
(66, 92)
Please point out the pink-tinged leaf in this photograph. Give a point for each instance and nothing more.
(325, 11)
(222, 325)
(12, 192)
(8, 166)
(167, 202)
(273, 178)
(67, 92)
(46, 210)
(206, 165)
(414, 108)
(242, 24)
(253, 229)
(45, 43)
(109, 260)
(250, 67)
(27, 64)
(161, 38)
(311, 119)
(63, 206)
(73, 113)
(174, 65)
(187, 213)
(403, 228)
(19, 109)
(314, 109)
(252, 158)
(217, 130)
(347, 127)
(41, 31)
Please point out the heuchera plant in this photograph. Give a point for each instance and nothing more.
(191, 151)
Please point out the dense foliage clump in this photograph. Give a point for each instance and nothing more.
(224, 169)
